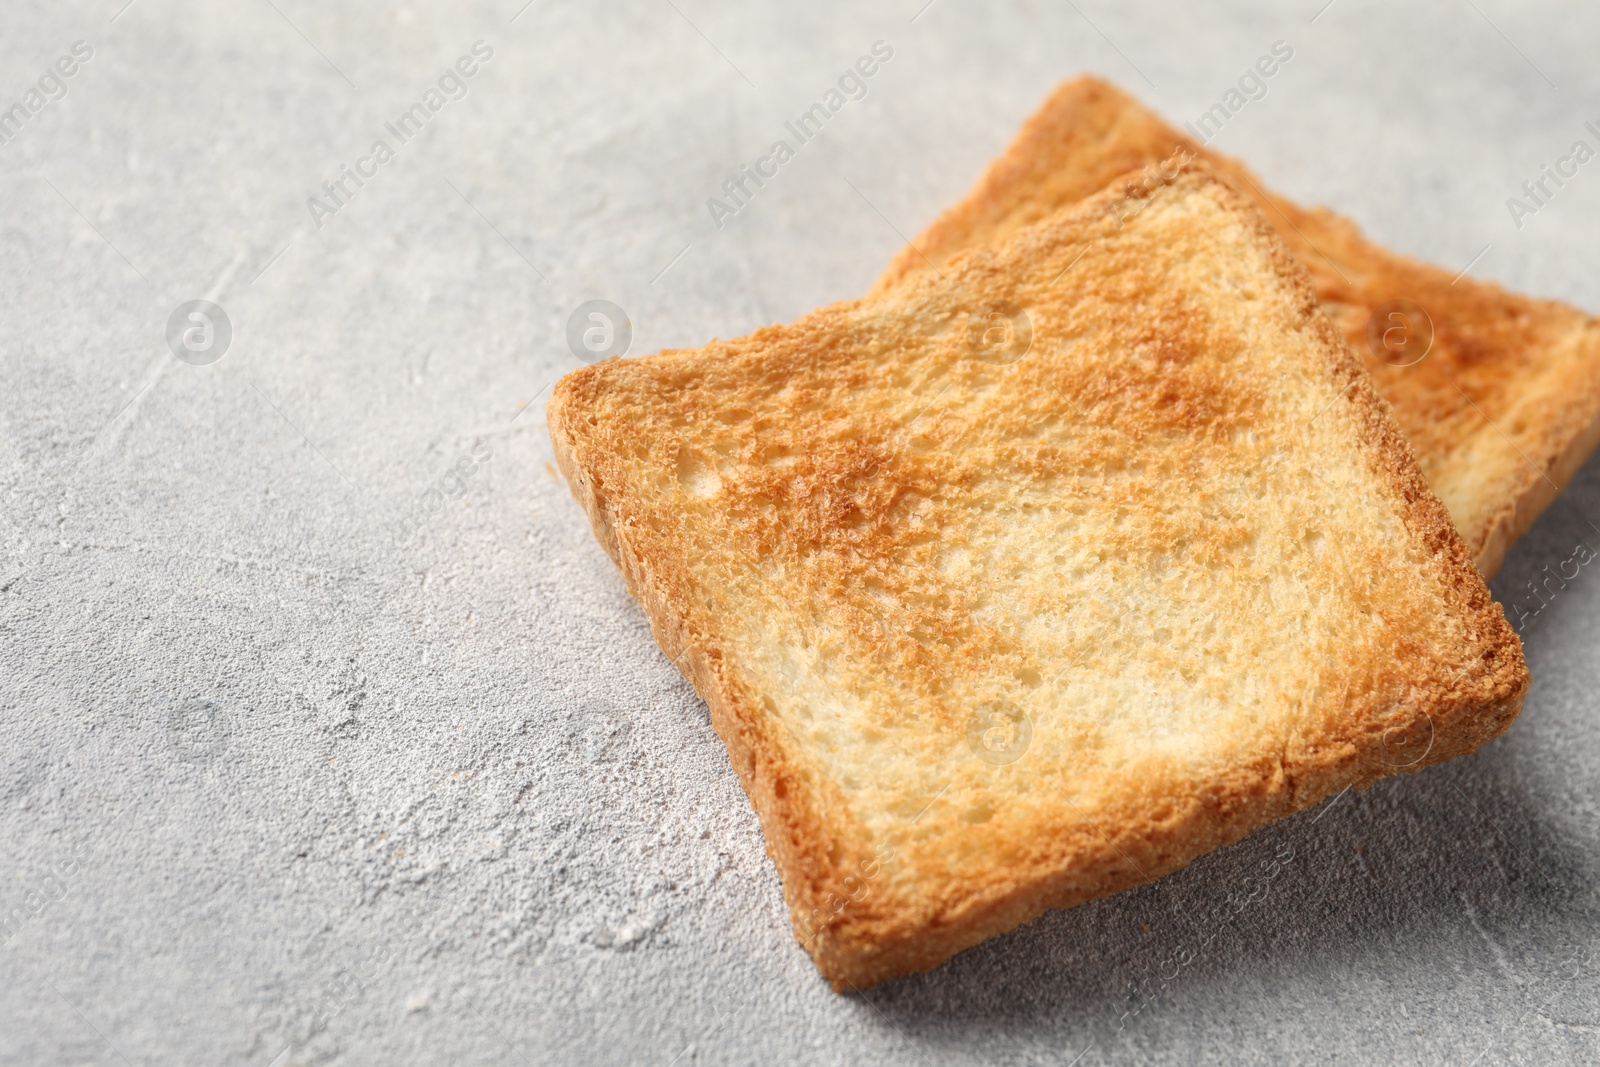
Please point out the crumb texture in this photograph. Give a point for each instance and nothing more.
(1039, 576)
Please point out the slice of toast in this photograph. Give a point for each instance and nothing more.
(1039, 577)
(1502, 410)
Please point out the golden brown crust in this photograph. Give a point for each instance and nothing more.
(800, 554)
(1501, 412)
(791, 821)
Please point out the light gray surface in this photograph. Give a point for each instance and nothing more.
(456, 807)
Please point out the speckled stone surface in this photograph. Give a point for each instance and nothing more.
(331, 736)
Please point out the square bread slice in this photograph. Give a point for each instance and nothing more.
(1038, 577)
(1502, 409)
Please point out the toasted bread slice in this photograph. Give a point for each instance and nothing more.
(1038, 578)
(1502, 410)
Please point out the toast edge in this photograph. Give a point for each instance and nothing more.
(1543, 488)
(793, 828)
(1000, 176)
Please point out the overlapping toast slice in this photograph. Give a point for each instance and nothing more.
(1037, 577)
(1501, 411)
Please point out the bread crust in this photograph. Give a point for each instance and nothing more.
(1501, 412)
(815, 836)
(791, 816)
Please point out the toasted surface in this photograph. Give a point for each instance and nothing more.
(1501, 411)
(989, 637)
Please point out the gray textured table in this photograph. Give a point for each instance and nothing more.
(331, 735)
